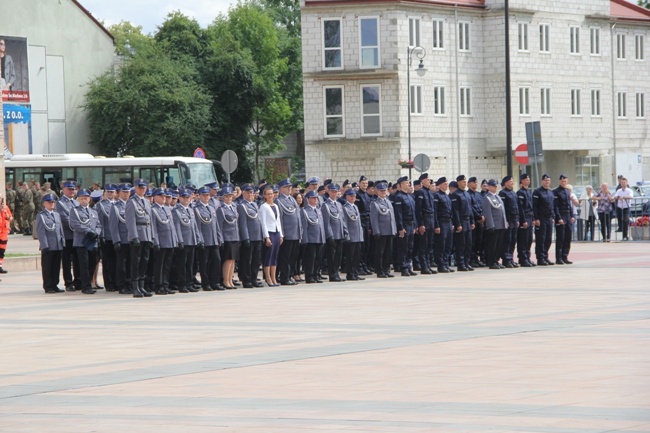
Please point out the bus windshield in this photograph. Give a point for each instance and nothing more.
(200, 173)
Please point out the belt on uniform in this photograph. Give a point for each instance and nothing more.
(444, 220)
(141, 224)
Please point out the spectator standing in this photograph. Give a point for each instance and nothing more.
(588, 212)
(623, 197)
(604, 200)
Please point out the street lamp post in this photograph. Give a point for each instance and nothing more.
(420, 53)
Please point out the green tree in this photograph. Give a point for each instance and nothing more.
(181, 37)
(644, 3)
(129, 38)
(150, 106)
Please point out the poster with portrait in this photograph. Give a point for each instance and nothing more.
(15, 69)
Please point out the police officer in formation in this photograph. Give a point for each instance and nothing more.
(188, 231)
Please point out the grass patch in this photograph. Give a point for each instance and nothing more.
(9, 255)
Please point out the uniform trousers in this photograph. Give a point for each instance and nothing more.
(50, 269)
(463, 244)
(404, 247)
(210, 266)
(311, 261)
(425, 243)
(287, 258)
(162, 267)
(250, 258)
(334, 257)
(543, 238)
(493, 245)
(122, 267)
(368, 252)
(352, 259)
(563, 233)
(184, 258)
(383, 253)
(509, 242)
(70, 264)
(139, 263)
(87, 263)
(525, 241)
(108, 265)
(477, 243)
(442, 244)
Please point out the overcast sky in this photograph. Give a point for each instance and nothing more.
(151, 13)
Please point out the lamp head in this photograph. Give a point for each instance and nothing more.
(421, 70)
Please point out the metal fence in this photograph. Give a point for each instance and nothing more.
(638, 224)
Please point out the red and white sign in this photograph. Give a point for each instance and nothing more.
(521, 154)
(199, 153)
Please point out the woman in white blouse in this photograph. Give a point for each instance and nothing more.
(272, 229)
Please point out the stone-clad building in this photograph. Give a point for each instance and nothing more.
(578, 67)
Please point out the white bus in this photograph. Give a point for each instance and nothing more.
(87, 169)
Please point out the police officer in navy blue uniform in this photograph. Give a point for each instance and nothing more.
(404, 206)
(362, 201)
(511, 206)
(563, 222)
(463, 221)
(425, 217)
(543, 217)
(313, 237)
(69, 259)
(384, 229)
(525, 232)
(443, 232)
(479, 222)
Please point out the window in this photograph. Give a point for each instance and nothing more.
(465, 101)
(464, 36)
(439, 100)
(587, 170)
(639, 47)
(416, 99)
(640, 105)
(575, 40)
(620, 46)
(545, 95)
(622, 105)
(438, 34)
(371, 109)
(575, 102)
(524, 101)
(595, 102)
(334, 111)
(522, 37)
(369, 37)
(414, 32)
(594, 39)
(544, 38)
(332, 46)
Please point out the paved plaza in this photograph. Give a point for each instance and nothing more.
(562, 349)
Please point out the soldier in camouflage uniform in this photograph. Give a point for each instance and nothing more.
(11, 202)
(38, 204)
(18, 214)
(28, 210)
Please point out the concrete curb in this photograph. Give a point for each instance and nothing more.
(23, 264)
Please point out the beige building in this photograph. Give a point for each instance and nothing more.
(66, 48)
(580, 68)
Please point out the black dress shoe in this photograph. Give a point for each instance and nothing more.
(500, 266)
(381, 276)
(444, 270)
(542, 263)
(433, 271)
(256, 284)
(550, 263)
(248, 286)
(218, 287)
(230, 287)
(509, 265)
(310, 281)
(70, 289)
(526, 264)
(389, 275)
(56, 290)
(125, 292)
(207, 289)
(89, 291)
(495, 267)
(411, 273)
(288, 283)
(451, 270)
(319, 281)
(425, 271)
(138, 295)
(559, 262)
(183, 290)
(192, 290)
(358, 278)
(160, 292)
(469, 268)
(406, 274)
(567, 262)
(462, 269)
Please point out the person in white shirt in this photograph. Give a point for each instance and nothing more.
(272, 228)
(623, 197)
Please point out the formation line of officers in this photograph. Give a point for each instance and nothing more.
(165, 241)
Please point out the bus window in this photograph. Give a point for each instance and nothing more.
(118, 175)
(172, 176)
(87, 176)
(9, 176)
(68, 174)
(151, 175)
(30, 174)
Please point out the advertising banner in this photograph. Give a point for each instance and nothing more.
(15, 70)
(18, 129)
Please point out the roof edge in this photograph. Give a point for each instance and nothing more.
(95, 20)
(444, 3)
(632, 6)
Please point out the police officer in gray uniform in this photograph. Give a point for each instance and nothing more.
(104, 211)
(495, 225)
(291, 229)
(251, 235)
(165, 240)
(87, 229)
(209, 257)
(382, 221)
(137, 214)
(336, 231)
(121, 245)
(49, 231)
(354, 243)
(313, 237)
(69, 259)
(188, 232)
